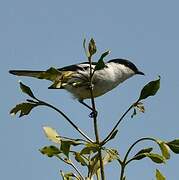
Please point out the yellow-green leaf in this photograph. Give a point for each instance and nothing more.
(156, 158)
(92, 47)
(90, 148)
(159, 175)
(79, 158)
(164, 149)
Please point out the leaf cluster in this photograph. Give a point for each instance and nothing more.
(86, 153)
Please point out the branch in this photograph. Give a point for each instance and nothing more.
(73, 139)
(67, 118)
(95, 120)
(131, 147)
(125, 162)
(72, 165)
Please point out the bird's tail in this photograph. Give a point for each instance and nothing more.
(36, 74)
(59, 78)
(51, 74)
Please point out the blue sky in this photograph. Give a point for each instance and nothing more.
(39, 34)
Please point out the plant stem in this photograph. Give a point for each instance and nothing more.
(95, 120)
(136, 142)
(122, 171)
(72, 139)
(115, 127)
(67, 118)
(72, 165)
(75, 168)
(125, 162)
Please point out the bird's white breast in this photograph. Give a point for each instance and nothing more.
(104, 80)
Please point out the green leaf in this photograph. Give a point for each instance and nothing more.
(146, 150)
(100, 64)
(159, 175)
(150, 89)
(65, 147)
(164, 149)
(66, 144)
(142, 154)
(156, 158)
(52, 134)
(50, 151)
(174, 145)
(104, 54)
(113, 135)
(25, 89)
(23, 108)
(79, 158)
(89, 149)
(139, 156)
(92, 47)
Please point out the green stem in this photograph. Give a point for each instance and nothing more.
(122, 171)
(72, 139)
(95, 120)
(75, 168)
(136, 142)
(93, 102)
(125, 162)
(67, 118)
(72, 165)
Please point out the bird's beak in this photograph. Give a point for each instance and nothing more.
(140, 72)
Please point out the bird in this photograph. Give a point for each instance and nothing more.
(75, 78)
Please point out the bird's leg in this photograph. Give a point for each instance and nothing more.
(89, 107)
(93, 113)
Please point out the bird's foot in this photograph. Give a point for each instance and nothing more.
(93, 114)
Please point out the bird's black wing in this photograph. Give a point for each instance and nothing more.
(75, 67)
(50, 74)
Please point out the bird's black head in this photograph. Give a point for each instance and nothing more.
(128, 64)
